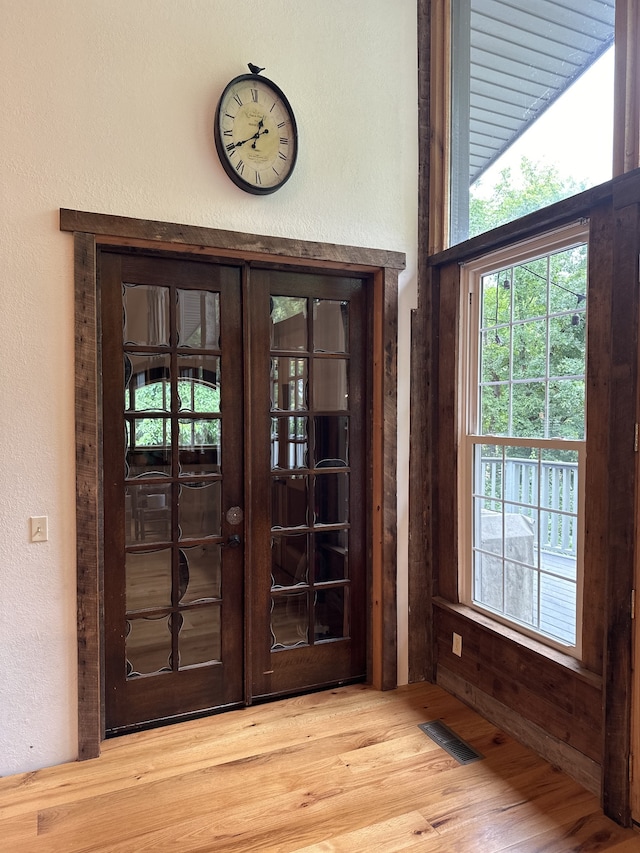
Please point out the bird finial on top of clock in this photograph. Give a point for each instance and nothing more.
(255, 69)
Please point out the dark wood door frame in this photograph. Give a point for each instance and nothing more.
(91, 231)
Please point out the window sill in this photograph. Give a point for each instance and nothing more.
(566, 661)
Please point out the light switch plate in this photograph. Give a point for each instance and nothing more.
(39, 528)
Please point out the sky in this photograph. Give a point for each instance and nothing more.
(575, 133)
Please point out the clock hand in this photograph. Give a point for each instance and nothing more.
(242, 142)
(255, 137)
(261, 130)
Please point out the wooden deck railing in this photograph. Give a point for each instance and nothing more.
(557, 483)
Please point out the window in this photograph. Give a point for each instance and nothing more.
(531, 107)
(524, 446)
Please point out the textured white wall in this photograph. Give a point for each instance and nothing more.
(107, 106)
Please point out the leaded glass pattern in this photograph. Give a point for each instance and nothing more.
(173, 375)
(310, 486)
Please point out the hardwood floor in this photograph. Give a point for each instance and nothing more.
(343, 770)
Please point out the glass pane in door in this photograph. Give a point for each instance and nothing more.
(289, 383)
(148, 448)
(198, 319)
(331, 498)
(331, 555)
(174, 424)
(330, 384)
(200, 636)
(148, 646)
(289, 502)
(146, 315)
(331, 446)
(199, 510)
(309, 569)
(148, 579)
(199, 383)
(200, 573)
(290, 620)
(147, 382)
(289, 560)
(289, 443)
(289, 323)
(331, 611)
(330, 325)
(147, 512)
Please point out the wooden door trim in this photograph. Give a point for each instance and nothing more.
(197, 240)
(90, 531)
(93, 230)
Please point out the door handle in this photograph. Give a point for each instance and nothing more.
(233, 541)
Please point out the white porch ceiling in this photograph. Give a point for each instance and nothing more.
(523, 55)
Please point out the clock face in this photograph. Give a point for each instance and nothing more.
(256, 135)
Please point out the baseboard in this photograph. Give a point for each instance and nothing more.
(581, 768)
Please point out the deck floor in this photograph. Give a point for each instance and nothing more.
(558, 598)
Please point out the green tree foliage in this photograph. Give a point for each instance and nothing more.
(533, 321)
(195, 397)
(517, 192)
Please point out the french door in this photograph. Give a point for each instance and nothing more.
(235, 484)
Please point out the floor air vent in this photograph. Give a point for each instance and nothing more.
(450, 742)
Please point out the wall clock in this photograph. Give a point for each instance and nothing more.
(255, 133)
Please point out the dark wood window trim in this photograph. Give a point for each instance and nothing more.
(91, 230)
(501, 672)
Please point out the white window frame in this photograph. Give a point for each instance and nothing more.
(469, 432)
